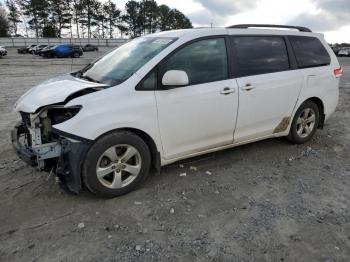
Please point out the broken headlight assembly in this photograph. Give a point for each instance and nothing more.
(53, 116)
(33, 137)
(59, 115)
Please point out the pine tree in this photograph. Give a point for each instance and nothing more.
(38, 13)
(4, 26)
(150, 14)
(13, 15)
(133, 18)
(61, 14)
(77, 10)
(112, 16)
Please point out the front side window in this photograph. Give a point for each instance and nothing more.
(260, 55)
(149, 83)
(309, 51)
(120, 64)
(204, 61)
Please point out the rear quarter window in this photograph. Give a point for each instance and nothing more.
(309, 51)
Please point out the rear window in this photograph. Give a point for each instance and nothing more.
(309, 51)
(257, 55)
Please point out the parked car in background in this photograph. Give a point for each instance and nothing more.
(38, 48)
(3, 51)
(47, 52)
(24, 50)
(344, 52)
(174, 95)
(89, 47)
(63, 50)
(31, 50)
(42, 50)
(335, 49)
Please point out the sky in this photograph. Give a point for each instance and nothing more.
(330, 17)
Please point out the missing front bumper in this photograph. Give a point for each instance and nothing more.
(33, 155)
(64, 156)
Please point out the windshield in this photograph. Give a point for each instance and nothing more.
(120, 64)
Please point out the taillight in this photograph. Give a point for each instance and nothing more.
(338, 72)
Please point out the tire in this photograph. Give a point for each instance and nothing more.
(109, 154)
(76, 55)
(305, 123)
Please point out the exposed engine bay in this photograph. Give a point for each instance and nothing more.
(37, 143)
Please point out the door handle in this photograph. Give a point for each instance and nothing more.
(227, 91)
(248, 87)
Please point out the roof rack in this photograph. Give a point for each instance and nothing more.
(300, 28)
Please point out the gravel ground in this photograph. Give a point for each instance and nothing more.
(267, 201)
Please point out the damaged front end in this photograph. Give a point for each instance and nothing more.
(39, 144)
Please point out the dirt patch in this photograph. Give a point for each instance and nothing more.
(282, 126)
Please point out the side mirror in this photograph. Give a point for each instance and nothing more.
(175, 78)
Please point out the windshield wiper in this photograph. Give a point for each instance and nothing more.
(88, 78)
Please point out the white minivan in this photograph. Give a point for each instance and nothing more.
(173, 95)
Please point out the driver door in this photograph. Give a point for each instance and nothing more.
(201, 115)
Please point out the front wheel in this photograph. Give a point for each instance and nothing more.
(116, 164)
(305, 123)
(76, 55)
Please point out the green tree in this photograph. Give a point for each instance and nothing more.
(61, 15)
(77, 11)
(165, 18)
(147, 17)
(50, 30)
(13, 15)
(4, 25)
(38, 13)
(150, 13)
(133, 18)
(180, 20)
(112, 14)
(98, 20)
(87, 15)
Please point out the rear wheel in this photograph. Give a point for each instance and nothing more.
(76, 55)
(116, 164)
(305, 123)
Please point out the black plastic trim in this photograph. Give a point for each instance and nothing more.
(292, 58)
(68, 135)
(139, 85)
(69, 165)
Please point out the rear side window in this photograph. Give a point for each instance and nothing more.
(204, 61)
(257, 55)
(309, 51)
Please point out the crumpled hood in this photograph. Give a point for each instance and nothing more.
(53, 91)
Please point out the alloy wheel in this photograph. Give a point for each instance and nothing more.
(118, 166)
(306, 122)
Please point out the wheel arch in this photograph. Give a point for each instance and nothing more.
(320, 106)
(152, 146)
